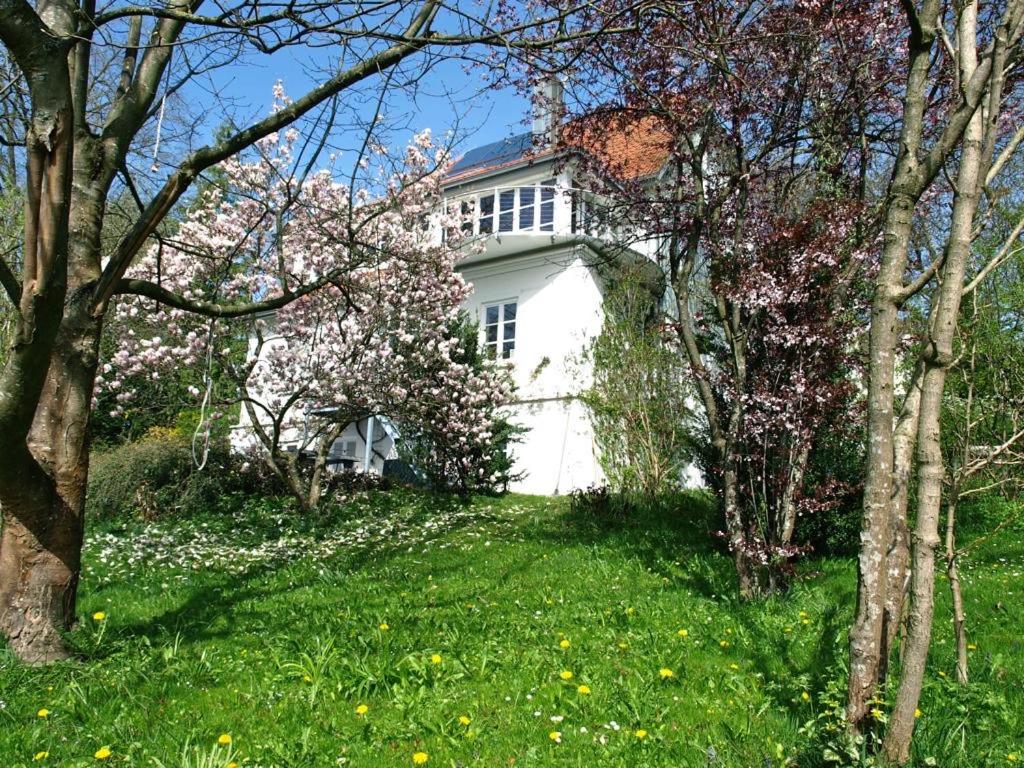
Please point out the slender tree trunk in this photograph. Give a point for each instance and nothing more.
(735, 532)
(866, 632)
(898, 554)
(953, 575)
(794, 482)
(937, 357)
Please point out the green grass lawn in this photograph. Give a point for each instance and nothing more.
(511, 632)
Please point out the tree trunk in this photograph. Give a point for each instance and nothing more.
(794, 483)
(866, 632)
(898, 554)
(953, 574)
(40, 550)
(937, 357)
(39, 566)
(734, 531)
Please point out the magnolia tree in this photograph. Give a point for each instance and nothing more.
(92, 82)
(377, 329)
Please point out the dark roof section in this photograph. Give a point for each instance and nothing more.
(627, 145)
(495, 154)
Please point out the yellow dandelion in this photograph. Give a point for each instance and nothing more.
(565, 674)
(877, 714)
(972, 647)
(583, 690)
(232, 764)
(665, 673)
(723, 643)
(40, 756)
(734, 666)
(419, 758)
(805, 696)
(464, 720)
(44, 712)
(563, 644)
(435, 658)
(803, 614)
(224, 739)
(384, 627)
(630, 611)
(555, 736)
(99, 616)
(1012, 757)
(683, 633)
(728, 631)
(623, 646)
(362, 709)
(103, 753)
(941, 673)
(641, 734)
(918, 713)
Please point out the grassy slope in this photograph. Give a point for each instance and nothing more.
(248, 625)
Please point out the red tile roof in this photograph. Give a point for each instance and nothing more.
(626, 144)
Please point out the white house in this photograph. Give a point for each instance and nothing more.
(537, 286)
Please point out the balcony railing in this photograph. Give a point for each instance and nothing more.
(544, 208)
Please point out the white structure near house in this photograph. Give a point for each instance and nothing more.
(537, 290)
(538, 286)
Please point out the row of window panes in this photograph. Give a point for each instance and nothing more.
(532, 209)
(514, 209)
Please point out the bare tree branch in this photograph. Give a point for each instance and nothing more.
(180, 180)
(1004, 252)
(10, 283)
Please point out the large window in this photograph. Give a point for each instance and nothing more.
(500, 329)
(510, 210)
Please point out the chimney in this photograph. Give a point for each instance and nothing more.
(548, 109)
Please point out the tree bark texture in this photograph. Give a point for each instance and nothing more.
(937, 356)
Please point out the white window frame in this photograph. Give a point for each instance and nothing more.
(496, 348)
(545, 193)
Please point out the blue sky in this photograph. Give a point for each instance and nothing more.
(451, 96)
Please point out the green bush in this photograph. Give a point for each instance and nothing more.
(836, 469)
(155, 476)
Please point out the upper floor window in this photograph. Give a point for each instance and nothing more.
(500, 329)
(515, 209)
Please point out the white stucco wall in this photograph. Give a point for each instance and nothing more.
(559, 313)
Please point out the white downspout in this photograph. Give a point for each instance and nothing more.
(368, 457)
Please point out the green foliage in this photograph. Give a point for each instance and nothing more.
(214, 622)
(637, 400)
(154, 477)
(12, 214)
(837, 464)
